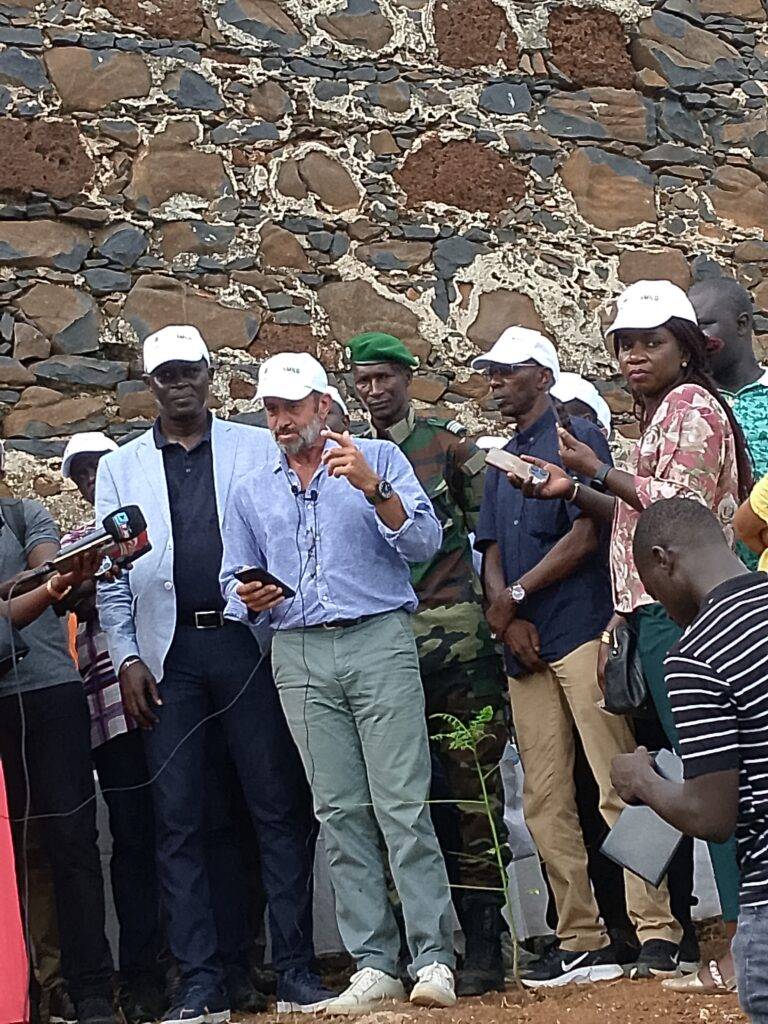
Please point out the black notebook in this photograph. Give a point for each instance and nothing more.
(641, 841)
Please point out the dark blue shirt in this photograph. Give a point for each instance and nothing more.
(197, 544)
(575, 610)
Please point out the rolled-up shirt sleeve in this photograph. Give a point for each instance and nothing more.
(420, 536)
(683, 449)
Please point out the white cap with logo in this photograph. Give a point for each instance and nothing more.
(291, 376)
(336, 397)
(89, 442)
(572, 386)
(182, 343)
(648, 304)
(520, 345)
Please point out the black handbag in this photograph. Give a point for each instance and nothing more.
(12, 646)
(626, 691)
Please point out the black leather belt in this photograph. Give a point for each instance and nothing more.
(343, 623)
(201, 620)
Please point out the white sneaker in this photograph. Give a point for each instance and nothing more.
(367, 990)
(434, 987)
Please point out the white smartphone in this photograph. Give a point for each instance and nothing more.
(507, 462)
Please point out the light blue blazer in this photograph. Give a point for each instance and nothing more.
(138, 611)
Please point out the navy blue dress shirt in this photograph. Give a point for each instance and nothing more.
(197, 544)
(575, 610)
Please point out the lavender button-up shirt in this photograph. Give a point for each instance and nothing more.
(327, 543)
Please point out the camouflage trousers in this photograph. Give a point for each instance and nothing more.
(458, 809)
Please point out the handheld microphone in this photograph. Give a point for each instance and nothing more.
(121, 539)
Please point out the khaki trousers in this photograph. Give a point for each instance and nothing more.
(545, 707)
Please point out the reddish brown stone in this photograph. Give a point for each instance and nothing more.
(369, 30)
(589, 46)
(67, 316)
(281, 248)
(383, 143)
(29, 343)
(169, 165)
(13, 374)
(157, 301)
(427, 387)
(750, 10)
(46, 487)
(177, 19)
(54, 415)
(322, 174)
(498, 310)
(193, 236)
(654, 265)
(91, 79)
(273, 338)
(463, 174)
(44, 156)
(395, 255)
(43, 243)
(476, 386)
(269, 101)
(240, 387)
(740, 196)
(138, 405)
(473, 33)
(610, 191)
(355, 306)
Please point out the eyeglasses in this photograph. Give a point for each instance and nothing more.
(505, 371)
(166, 375)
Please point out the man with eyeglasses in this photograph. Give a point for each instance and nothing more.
(545, 573)
(180, 661)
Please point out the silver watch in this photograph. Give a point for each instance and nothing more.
(517, 593)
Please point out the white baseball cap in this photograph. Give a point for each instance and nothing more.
(174, 344)
(292, 376)
(520, 345)
(648, 304)
(572, 386)
(89, 442)
(336, 397)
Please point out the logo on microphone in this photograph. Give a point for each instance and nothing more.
(122, 524)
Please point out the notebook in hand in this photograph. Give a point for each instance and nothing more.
(641, 841)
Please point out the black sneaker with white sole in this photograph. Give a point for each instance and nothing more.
(657, 959)
(195, 1006)
(561, 967)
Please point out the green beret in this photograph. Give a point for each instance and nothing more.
(376, 347)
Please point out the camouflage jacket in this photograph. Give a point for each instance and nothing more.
(449, 625)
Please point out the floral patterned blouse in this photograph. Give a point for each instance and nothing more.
(687, 451)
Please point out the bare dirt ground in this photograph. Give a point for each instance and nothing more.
(617, 1002)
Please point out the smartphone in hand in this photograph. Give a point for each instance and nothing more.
(255, 574)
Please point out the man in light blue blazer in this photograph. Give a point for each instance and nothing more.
(179, 661)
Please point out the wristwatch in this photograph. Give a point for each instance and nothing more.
(598, 480)
(384, 491)
(517, 593)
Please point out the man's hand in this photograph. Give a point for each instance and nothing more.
(630, 774)
(139, 691)
(500, 613)
(522, 638)
(577, 457)
(259, 597)
(347, 460)
(559, 486)
(84, 567)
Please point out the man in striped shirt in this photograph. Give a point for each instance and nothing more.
(717, 677)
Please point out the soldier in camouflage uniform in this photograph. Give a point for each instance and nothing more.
(460, 669)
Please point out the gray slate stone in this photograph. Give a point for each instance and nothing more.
(505, 99)
(679, 123)
(194, 92)
(455, 252)
(102, 282)
(80, 371)
(233, 14)
(27, 37)
(124, 246)
(20, 68)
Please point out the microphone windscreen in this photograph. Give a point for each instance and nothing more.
(125, 523)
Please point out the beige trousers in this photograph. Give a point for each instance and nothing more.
(545, 707)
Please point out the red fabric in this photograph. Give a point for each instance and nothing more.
(13, 957)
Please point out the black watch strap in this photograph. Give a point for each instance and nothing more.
(598, 480)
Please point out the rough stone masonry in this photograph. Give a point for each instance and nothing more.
(283, 173)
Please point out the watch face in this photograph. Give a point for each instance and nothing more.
(385, 489)
(518, 594)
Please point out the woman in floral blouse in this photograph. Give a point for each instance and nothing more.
(690, 446)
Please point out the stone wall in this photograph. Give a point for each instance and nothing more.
(283, 173)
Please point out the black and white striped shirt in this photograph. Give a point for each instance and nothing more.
(717, 676)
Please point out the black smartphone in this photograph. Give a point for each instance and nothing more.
(255, 574)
